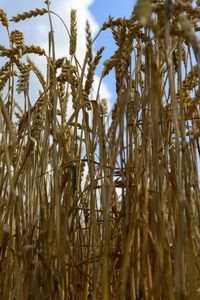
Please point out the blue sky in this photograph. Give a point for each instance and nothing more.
(96, 11)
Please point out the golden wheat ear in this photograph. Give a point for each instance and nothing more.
(28, 15)
(3, 19)
(73, 33)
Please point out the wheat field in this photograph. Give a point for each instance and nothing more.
(103, 204)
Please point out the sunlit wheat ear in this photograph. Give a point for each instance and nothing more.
(28, 15)
(73, 33)
(23, 79)
(33, 49)
(112, 129)
(68, 71)
(89, 44)
(104, 105)
(4, 68)
(18, 107)
(63, 97)
(69, 74)
(88, 59)
(191, 80)
(37, 72)
(3, 19)
(90, 74)
(8, 52)
(109, 64)
(17, 38)
(11, 53)
(5, 78)
(8, 122)
(39, 114)
(59, 62)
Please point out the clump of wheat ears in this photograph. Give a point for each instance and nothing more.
(102, 204)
